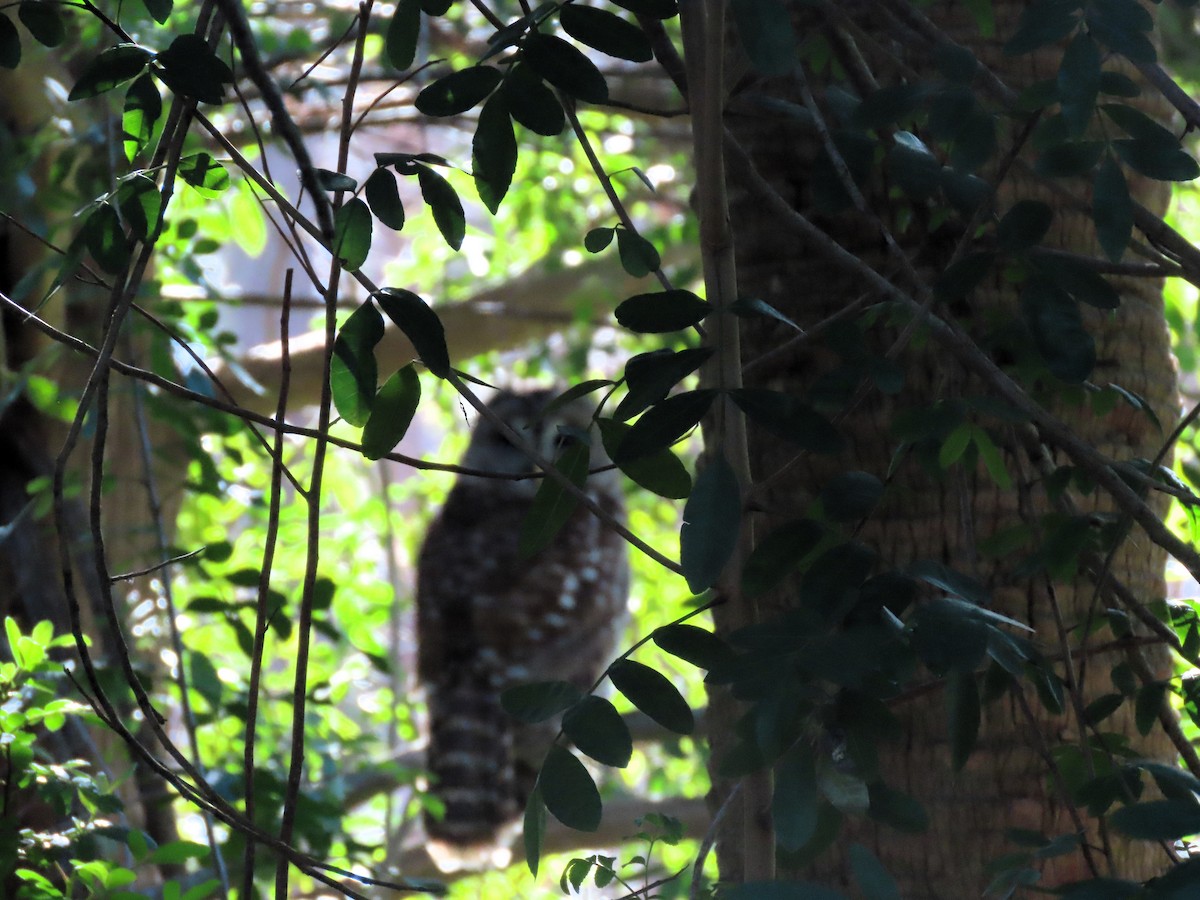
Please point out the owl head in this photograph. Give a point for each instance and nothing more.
(526, 413)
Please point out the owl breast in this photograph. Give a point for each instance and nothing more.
(488, 619)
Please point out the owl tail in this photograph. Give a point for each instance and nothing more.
(471, 761)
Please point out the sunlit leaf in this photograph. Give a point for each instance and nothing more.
(391, 413)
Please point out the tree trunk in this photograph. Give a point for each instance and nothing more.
(927, 515)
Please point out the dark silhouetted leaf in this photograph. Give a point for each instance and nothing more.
(1079, 83)
(651, 692)
(1158, 820)
(663, 424)
(391, 413)
(765, 27)
(542, 700)
(1112, 209)
(963, 276)
(420, 325)
(638, 255)
(459, 91)
(493, 152)
(553, 503)
(850, 496)
(531, 103)
(661, 312)
(1149, 705)
(914, 167)
(712, 521)
(329, 180)
(1157, 161)
(10, 46)
(142, 108)
(1023, 226)
(43, 21)
(651, 376)
(790, 418)
(400, 42)
(160, 11)
(565, 67)
(534, 829)
(114, 66)
(383, 196)
(794, 801)
(956, 63)
(1069, 158)
(655, 9)
(191, 69)
(105, 239)
(890, 105)
(352, 234)
(897, 809)
(698, 646)
(778, 554)
(599, 731)
(661, 472)
(354, 374)
(598, 238)
(1079, 280)
(568, 791)
(1043, 22)
(606, 32)
(447, 209)
(1057, 327)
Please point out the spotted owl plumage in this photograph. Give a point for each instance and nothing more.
(488, 619)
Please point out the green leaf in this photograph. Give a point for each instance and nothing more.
(1069, 158)
(712, 521)
(354, 373)
(651, 692)
(1149, 704)
(1118, 84)
(1157, 161)
(112, 67)
(10, 45)
(962, 277)
(140, 203)
(1078, 279)
(553, 503)
(207, 176)
(661, 472)
(329, 180)
(141, 112)
(767, 35)
(992, 459)
(400, 43)
(663, 424)
(459, 91)
(391, 413)
(420, 325)
(1140, 126)
(890, 105)
(160, 11)
(606, 32)
(778, 554)
(955, 62)
(914, 167)
(352, 234)
(598, 239)
(897, 809)
(106, 240)
(531, 103)
(1079, 83)
(534, 829)
(1120, 26)
(1057, 327)
(191, 69)
(850, 496)
(696, 645)
(1043, 22)
(493, 152)
(655, 9)
(1112, 209)
(948, 636)
(963, 713)
(638, 256)
(447, 208)
(43, 22)
(651, 376)
(1158, 820)
(568, 791)
(873, 879)
(383, 196)
(564, 67)
(780, 890)
(794, 801)
(540, 700)
(1023, 226)
(788, 417)
(176, 852)
(844, 789)
(599, 731)
(662, 312)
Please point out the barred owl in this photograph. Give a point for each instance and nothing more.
(487, 620)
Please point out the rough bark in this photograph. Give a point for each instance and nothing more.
(1005, 784)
